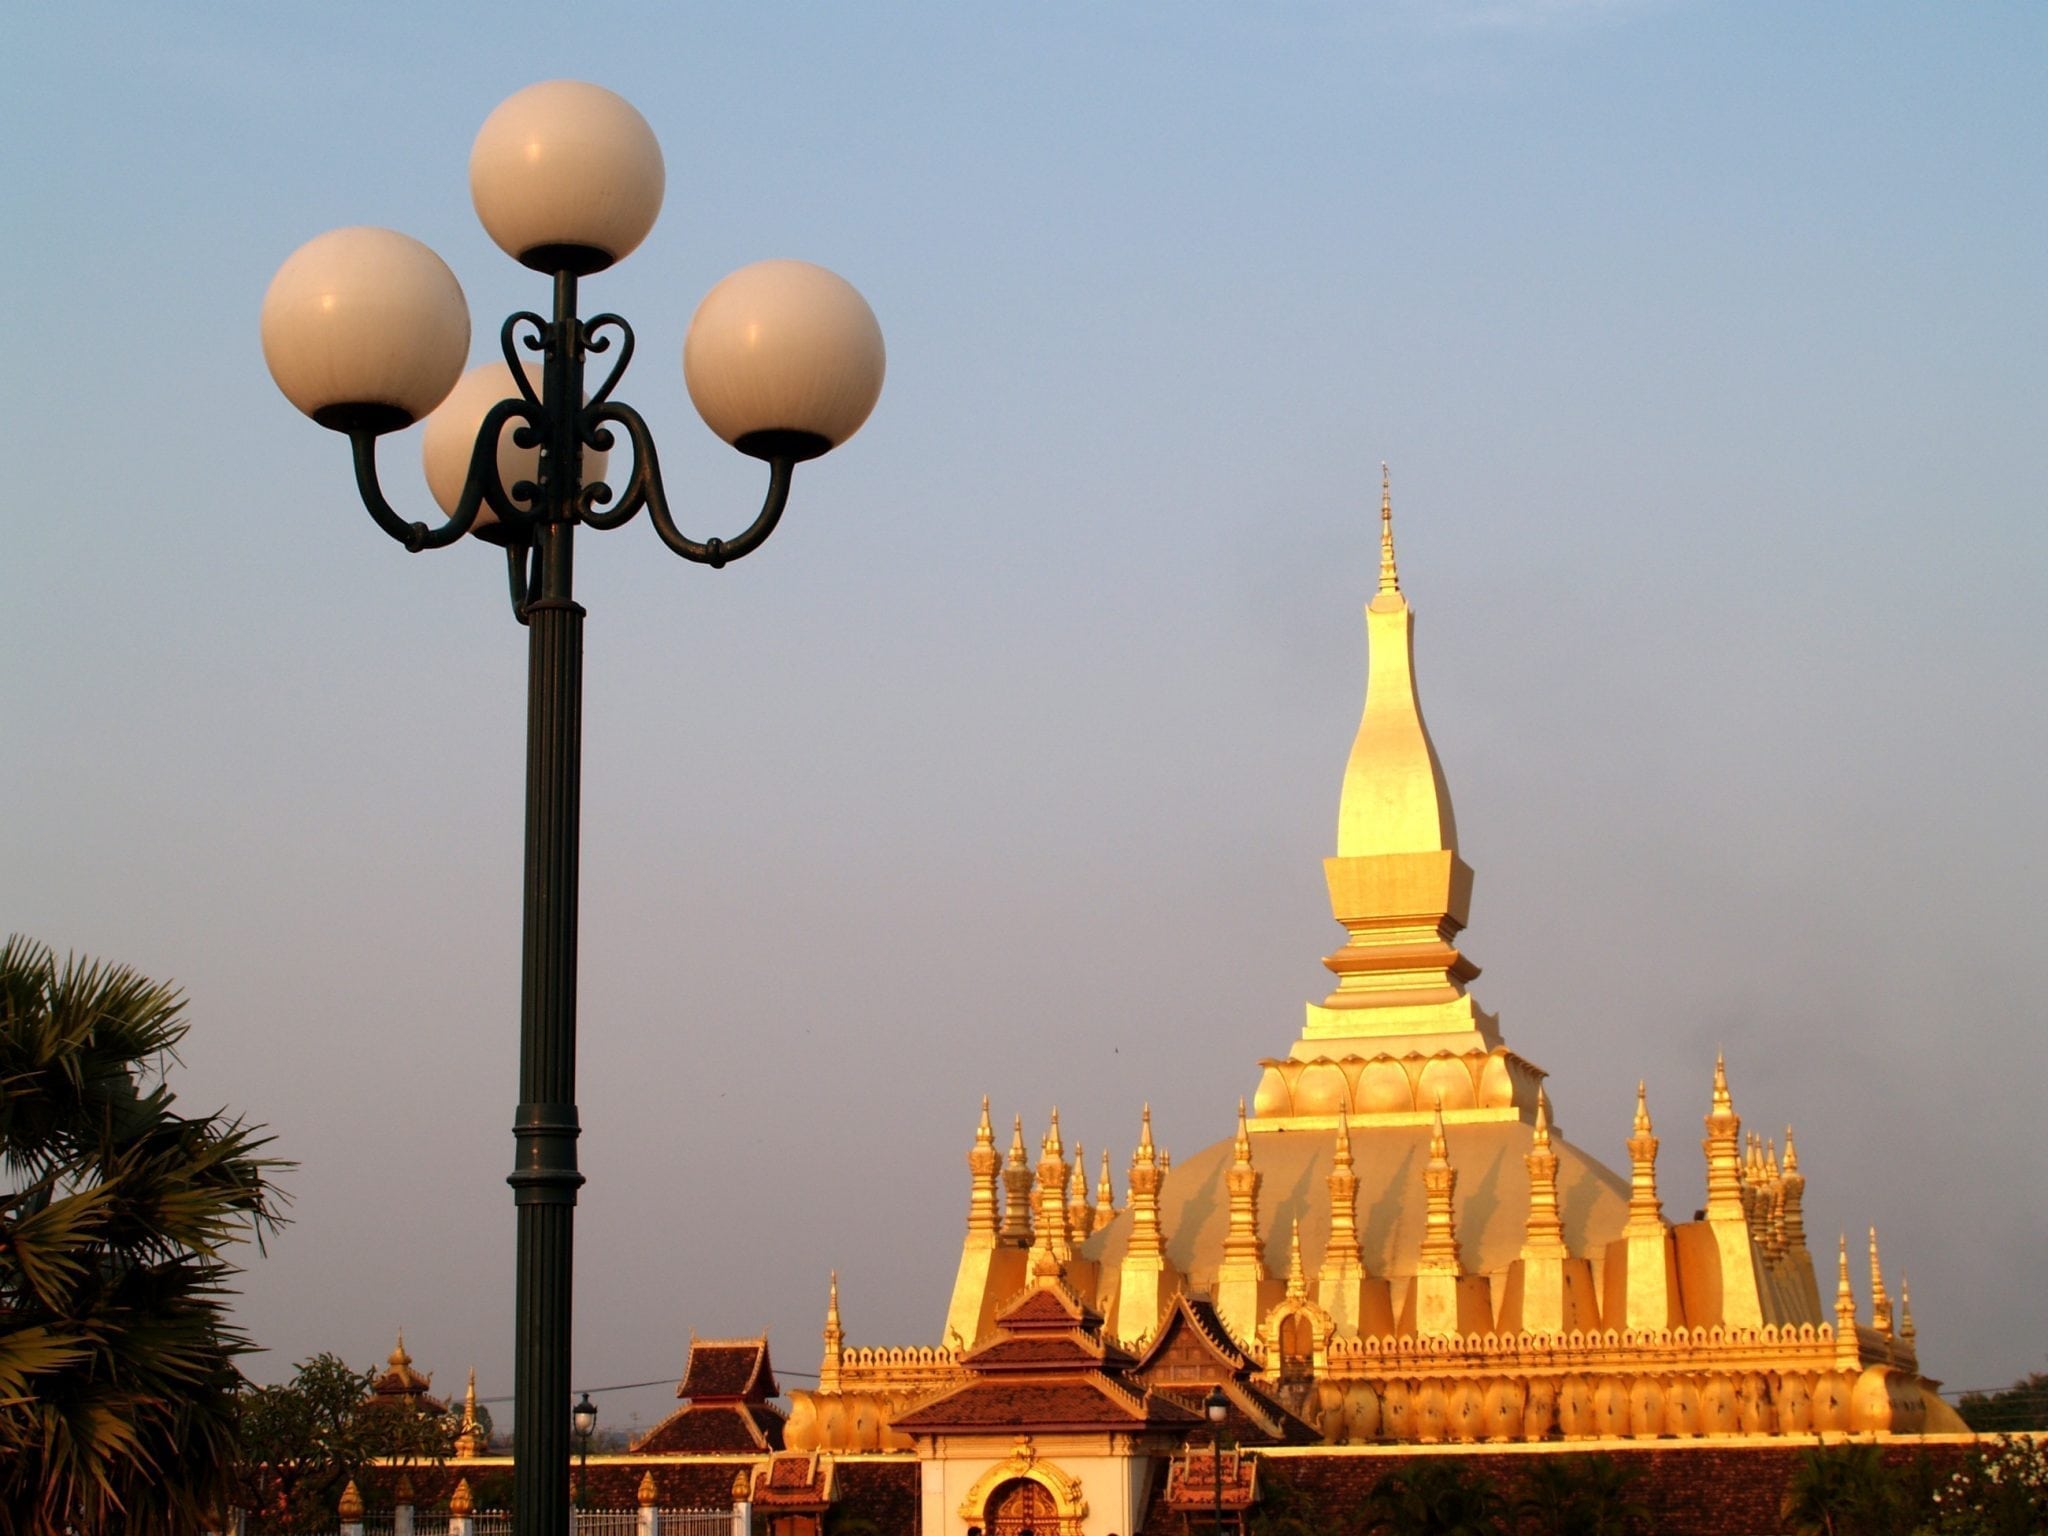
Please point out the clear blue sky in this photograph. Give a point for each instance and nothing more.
(1709, 346)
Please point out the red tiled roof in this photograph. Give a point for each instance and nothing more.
(729, 1369)
(1046, 1307)
(1083, 1403)
(713, 1429)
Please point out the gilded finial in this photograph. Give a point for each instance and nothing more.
(1723, 1103)
(1439, 1148)
(1017, 1152)
(1297, 1278)
(1105, 1194)
(1642, 1125)
(984, 1133)
(1791, 1153)
(350, 1506)
(1343, 1152)
(1165, 1161)
(742, 1485)
(1390, 581)
(832, 1301)
(1906, 1331)
(1845, 1298)
(1144, 1131)
(1051, 1146)
(399, 1359)
(1244, 1138)
(1542, 1136)
(461, 1501)
(647, 1495)
(1847, 1351)
(468, 1438)
(1880, 1303)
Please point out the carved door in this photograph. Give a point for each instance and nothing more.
(1022, 1508)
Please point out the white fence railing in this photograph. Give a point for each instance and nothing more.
(583, 1522)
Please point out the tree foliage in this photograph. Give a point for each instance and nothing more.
(1436, 1496)
(304, 1440)
(117, 1358)
(2023, 1405)
(1589, 1495)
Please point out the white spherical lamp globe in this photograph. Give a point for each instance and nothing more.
(365, 329)
(784, 359)
(566, 176)
(450, 439)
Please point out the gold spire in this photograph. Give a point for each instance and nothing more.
(1440, 1180)
(1080, 1214)
(1054, 1235)
(647, 1495)
(1723, 1150)
(1105, 1196)
(1242, 1241)
(1847, 1356)
(742, 1484)
(1297, 1277)
(984, 1166)
(1343, 1246)
(835, 1340)
(1880, 1303)
(1017, 1181)
(1906, 1333)
(1395, 799)
(1544, 1237)
(350, 1506)
(1143, 1201)
(1645, 1210)
(398, 1359)
(469, 1438)
(461, 1501)
(1390, 580)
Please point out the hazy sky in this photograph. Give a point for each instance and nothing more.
(1709, 346)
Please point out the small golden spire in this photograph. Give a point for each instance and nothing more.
(1297, 1278)
(1847, 1354)
(1052, 1146)
(1543, 1238)
(1165, 1162)
(1791, 1153)
(1880, 1303)
(1440, 1182)
(742, 1485)
(468, 1439)
(1390, 581)
(984, 1133)
(1080, 1214)
(1146, 1240)
(1017, 1181)
(399, 1359)
(830, 1365)
(461, 1501)
(1144, 1135)
(1645, 1209)
(1241, 1241)
(1105, 1195)
(350, 1507)
(1343, 1247)
(647, 1495)
(1906, 1332)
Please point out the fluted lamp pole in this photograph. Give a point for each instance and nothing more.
(367, 331)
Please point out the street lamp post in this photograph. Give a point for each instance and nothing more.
(584, 1416)
(1216, 1407)
(366, 331)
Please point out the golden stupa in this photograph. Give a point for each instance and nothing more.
(1398, 1240)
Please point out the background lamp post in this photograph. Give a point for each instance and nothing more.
(584, 1417)
(367, 331)
(1216, 1407)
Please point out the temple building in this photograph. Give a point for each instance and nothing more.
(1393, 1242)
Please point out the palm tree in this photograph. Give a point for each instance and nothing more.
(117, 1360)
(1591, 1495)
(1437, 1496)
(1843, 1490)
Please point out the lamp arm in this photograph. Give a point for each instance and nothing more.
(645, 489)
(480, 486)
